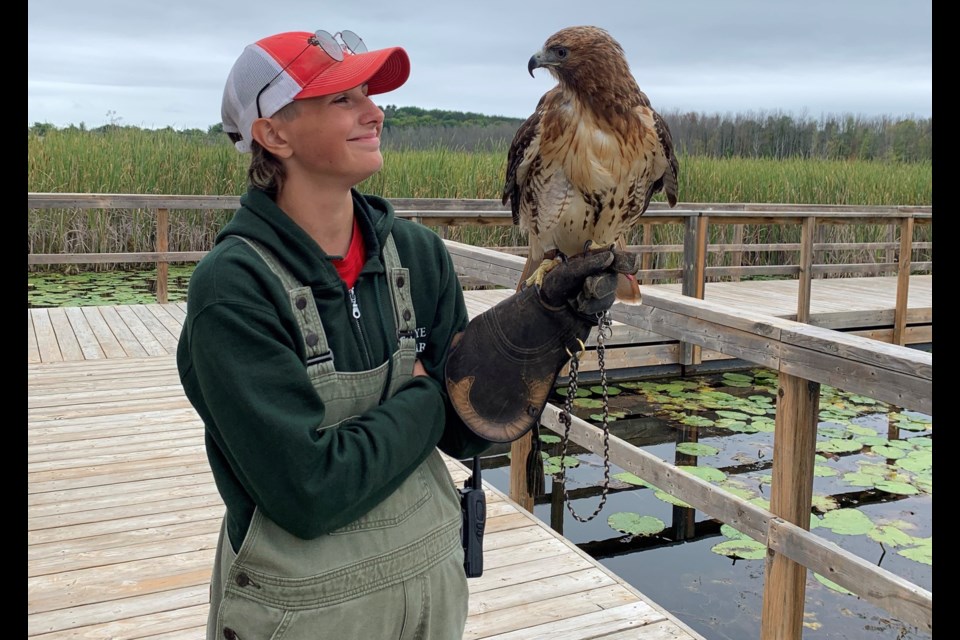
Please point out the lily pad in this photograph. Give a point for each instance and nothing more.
(611, 391)
(823, 471)
(629, 478)
(733, 415)
(848, 522)
(890, 453)
(669, 499)
(860, 479)
(697, 421)
(588, 403)
(567, 461)
(612, 416)
(744, 548)
(697, 449)
(742, 427)
(704, 473)
(898, 488)
(921, 553)
(839, 446)
(635, 524)
(916, 461)
(891, 536)
(729, 532)
(861, 430)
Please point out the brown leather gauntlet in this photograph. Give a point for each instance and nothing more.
(501, 369)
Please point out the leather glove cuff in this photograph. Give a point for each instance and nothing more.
(501, 370)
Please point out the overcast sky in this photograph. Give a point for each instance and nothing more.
(163, 63)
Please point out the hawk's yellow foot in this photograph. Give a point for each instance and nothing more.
(545, 267)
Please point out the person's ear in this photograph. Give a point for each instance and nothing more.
(270, 137)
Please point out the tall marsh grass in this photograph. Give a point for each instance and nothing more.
(131, 160)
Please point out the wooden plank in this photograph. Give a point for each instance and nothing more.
(141, 424)
(105, 336)
(33, 350)
(78, 499)
(522, 621)
(169, 316)
(47, 345)
(127, 340)
(176, 610)
(579, 622)
(69, 345)
(154, 520)
(151, 345)
(119, 581)
(89, 345)
(72, 560)
(160, 332)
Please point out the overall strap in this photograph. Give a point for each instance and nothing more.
(398, 278)
(304, 310)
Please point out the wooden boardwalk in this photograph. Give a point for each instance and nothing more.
(123, 514)
(123, 517)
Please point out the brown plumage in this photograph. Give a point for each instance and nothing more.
(583, 168)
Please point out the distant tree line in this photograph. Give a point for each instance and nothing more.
(765, 135)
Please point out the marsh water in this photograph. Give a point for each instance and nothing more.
(873, 485)
(872, 497)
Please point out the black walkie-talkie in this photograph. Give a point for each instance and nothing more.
(473, 505)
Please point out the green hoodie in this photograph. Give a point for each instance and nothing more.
(243, 367)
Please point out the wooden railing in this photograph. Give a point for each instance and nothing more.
(694, 269)
(804, 356)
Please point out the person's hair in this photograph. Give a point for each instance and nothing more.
(266, 172)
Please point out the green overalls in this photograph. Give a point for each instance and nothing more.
(397, 572)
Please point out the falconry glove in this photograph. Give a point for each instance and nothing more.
(503, 366)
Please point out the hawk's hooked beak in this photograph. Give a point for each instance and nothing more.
(534, 62)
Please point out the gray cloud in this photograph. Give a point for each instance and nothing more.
(163, 64)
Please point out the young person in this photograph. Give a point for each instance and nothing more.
(314, 350)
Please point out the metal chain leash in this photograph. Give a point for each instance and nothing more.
(604, 331)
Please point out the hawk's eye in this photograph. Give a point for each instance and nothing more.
(561, 52)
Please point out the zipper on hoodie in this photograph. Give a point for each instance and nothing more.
(355, 312)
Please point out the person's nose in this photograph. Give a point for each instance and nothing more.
(373, 113)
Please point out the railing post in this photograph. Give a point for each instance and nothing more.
(903, 280)
(791, 497)
(694, 273)
(736, 258)
(807, 236)
(646, 260)
(519, 489)
(163, 230)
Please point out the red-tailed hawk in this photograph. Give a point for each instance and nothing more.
(583, 167)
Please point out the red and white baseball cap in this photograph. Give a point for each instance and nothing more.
(291, 66)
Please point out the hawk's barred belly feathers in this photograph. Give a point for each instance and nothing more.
(584, 166)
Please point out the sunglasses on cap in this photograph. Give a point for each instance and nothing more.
(349, 41)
